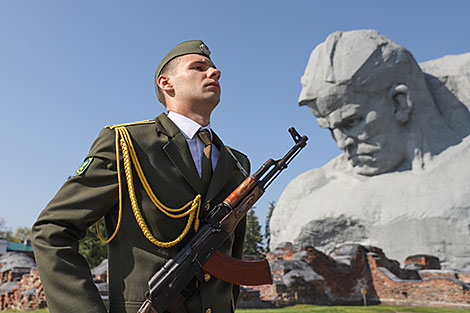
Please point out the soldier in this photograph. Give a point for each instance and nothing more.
(153, 181)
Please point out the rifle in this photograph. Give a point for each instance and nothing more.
(169, 287)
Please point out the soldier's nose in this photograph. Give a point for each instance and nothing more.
(214, 73)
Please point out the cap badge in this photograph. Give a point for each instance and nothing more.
(205, 49)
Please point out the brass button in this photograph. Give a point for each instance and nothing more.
(208, 310)
(207, 206)
(207, 277)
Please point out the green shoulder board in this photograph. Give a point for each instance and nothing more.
(130, 124)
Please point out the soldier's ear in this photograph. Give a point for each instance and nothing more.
(402, 103)
(164, 83)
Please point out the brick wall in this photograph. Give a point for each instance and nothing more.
(431, 290)
(307, 275)
(26, 295)
(353, 267)
(423, 261)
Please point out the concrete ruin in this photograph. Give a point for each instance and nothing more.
(308, 276)
(301, 276)
(20, 286)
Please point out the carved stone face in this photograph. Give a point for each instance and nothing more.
(365, 127)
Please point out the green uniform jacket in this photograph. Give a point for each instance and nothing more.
(167, 163)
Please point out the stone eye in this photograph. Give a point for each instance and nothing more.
(350, 123)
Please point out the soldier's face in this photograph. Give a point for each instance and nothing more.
(365, 128)
(196, 80)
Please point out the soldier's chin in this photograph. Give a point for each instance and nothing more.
(213, 99)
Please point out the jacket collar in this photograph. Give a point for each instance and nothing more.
(178, 152)
(223, 170)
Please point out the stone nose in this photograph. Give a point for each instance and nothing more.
(305, 98)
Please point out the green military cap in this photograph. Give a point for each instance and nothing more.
(186, 47)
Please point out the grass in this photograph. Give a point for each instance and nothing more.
(353, 309)
(37, 311)
(334, 309)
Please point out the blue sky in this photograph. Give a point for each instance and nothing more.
(69, 68)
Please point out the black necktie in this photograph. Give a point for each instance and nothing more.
(206, 164)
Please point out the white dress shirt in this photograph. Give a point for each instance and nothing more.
(189, 128)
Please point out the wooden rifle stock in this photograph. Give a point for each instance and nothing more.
(238, 272)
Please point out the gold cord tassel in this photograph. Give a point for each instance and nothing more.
(129, 156)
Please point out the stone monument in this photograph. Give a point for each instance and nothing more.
(403, 181)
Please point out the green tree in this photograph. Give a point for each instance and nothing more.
(5, 232)
(267, 230)
(22, 234)
(253, 237)
(92, 248)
